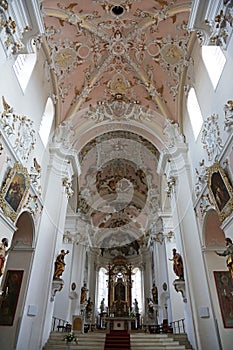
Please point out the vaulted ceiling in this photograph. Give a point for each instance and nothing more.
(119, 68)
(127, 50)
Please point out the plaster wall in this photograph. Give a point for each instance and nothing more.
(211, 102)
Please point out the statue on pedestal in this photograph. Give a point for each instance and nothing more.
(154, 294)
(228, 252)
(59, 265)
(102, 305)
(89, 309)
(177, 264)
(136, 308)
(84, 291)
(3, 253)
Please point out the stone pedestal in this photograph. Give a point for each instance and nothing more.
(180, 287)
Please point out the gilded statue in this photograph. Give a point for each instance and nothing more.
(59, 265)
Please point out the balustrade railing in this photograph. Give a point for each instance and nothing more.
(60, 325)
(178, 326)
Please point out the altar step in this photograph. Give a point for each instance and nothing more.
(117, 340)
(141, 341)
(182, 338)
(86, 341)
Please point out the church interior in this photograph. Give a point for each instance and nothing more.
(116, 173)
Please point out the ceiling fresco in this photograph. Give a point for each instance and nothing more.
(118, 187)
(118, 67)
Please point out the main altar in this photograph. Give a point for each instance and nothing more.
(119, 315)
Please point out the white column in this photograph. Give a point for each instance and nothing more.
(48, 243)
(92, 276)
(147, 277)
(78, 266)
(161, 277)
(174, 163)
(146, 254)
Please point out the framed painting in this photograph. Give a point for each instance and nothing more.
(224, 286)
(10, 296)
(221, 191)
(14, 191)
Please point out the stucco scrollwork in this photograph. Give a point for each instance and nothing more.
(205, 204)
(35, 174)
(19, 130)
(9, 32)
(118, 109)
(171, 181)
(201, 177)
(157, 232)
(174, 135)
(228, 110)
(32, 205)
(68, 187)
(211, 139)
(222, 24)
(64, 134)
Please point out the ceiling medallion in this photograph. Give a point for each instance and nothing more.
(171, 53)
(65, 57)
(118, 85)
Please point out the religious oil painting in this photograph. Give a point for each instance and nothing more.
(10, 296)
(14, 191)
(220, 190)
(224, 286)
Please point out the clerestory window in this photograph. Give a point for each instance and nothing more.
(23, 67)
(214, 61)
(46, 122)
(194, 112)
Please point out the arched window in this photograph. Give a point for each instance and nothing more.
(23, 67)
(46, 121)
(214, 61)
(137, 287)
(194, 111)
(102, 287)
